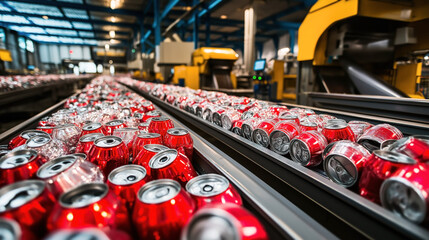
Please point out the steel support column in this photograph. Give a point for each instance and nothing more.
(249, 39)
(157, 31)
(208, 29)
(196, 26)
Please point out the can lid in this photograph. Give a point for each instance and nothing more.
(226, 121)
(84, 195)
(77, 234)
(177, 131)
(207, 185)
(394, 157)
(153, 113)
(149, 135)
(144, 124)
(116, 122)
(90, 137)
(9, 229)
(160, 119)
(341, 170)
(155, 147)
(261, 137)
(300, 152)
(91, 126)
(17, 194)
(56, 166)
(335, 121)
(38, 141)
(403, 198)
(335, 125)
(17, 158)
(280, 142)
(31, 133)
(127, 174)
(288, 116)
(308, 123)
(163, 159)
(158, 191)
(211, 223)
(68, 125)
(108, 141)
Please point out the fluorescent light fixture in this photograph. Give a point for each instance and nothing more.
(27, 29)
(75, 13)
(112, 34)
(112, 19)
(71, 1)
(107, 47)
(4, 8)
(43, 38)
(86, 34)
(50, 22)
(31, 8)
(81, 25)
(56, 31)
(223, 17)
(13, 19)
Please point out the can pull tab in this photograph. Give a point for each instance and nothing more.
(162, 192)
(208, 188)
(20, 196)
(131, 178)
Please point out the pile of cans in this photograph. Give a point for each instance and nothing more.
(109, 166)
(375, 161)
(10, 83)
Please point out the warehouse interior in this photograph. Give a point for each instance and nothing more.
(231, 72)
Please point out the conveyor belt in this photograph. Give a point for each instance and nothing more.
(341, 211)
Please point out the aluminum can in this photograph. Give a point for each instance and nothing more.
(147, 152)
(160, 125)
(22, 138)
(413, 147)
(216, 115)
(211, 189)
(143, 139)
(406, 193)
(359, 127)
(181, 140)
(114, 124)
(47, 147)
(230, 221)
(172, 165)
(67, 172)
(261, 134)
(28, 202)
(338, 131)
(307, 125)
(19, 165)
(4, 149)
(93, 127)
(289, 116)
(148, 106)
(229, 117)
(307, 148)
(11, 230)
(46, 129)
(143, 127)
(343, 162)
(127, 135)
(125, 181)
(248, 127)
(67, 133)
(372, 138)
(162, 209)
(86, 142)
(281, 136)
(89, 205)
(108, 153)
(236, 127)
(88, 234)
(149, 115)
(380, 166)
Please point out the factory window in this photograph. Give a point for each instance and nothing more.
(2, 38)
(30, 45)
(21, 42)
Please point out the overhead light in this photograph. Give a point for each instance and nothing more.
(112, 40)
(112, 34)
(113, 4)
(107, 47)
(45, 17)
(188, 8)
(223, 17)
(110, 61)
(112, 19)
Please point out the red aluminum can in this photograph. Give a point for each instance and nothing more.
(343, 162)
(380, 166)
(148, 106)
(67, 133)
(46, 129)
(374, 137)
(307, 125)
(93, 128)
(230, 221)
(22, 138)
(11, 230)
(149, 115)
(212, 188)
(147, 152)
(216, 115)
(125, 182)
(236, 127)
(172, 165)
(162, 209)
(143, 127)
(359, 127)
(108, 153)
(261, 135)
(89, 205)
(114, 124)
(229, 117)
(406, 193)
(181, 140)
(413, 147)
(67, 172)
(19, 165)
(86, 142)
(145, 138)
(127, 135)
(160, 125)
(289, 116)
(88, 234)
(47, 147)
(338, 131)
(281, 136)
(28, 202)
(307, 148)
(249, 126)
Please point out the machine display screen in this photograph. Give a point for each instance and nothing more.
(259, 65)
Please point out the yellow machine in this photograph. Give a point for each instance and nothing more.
(370, 47)
(211, 69)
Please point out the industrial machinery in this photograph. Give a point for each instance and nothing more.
(351, 50)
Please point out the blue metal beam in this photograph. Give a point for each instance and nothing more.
(211, 6)
(196, 26)
(169, 6)
(292, 40)
(208, 30)
(157, 22)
